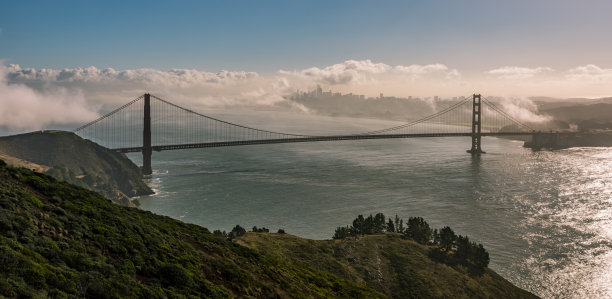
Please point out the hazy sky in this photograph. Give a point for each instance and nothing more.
(257, 51)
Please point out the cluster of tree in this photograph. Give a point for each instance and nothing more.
(417, 228)
(238, 231)
(447, 247)
(260, 230)
(455, 249)
(362, 226)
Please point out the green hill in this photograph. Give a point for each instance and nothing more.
(388, 263)
(67, 156)
(60, 240)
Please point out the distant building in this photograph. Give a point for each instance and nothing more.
(318, 92)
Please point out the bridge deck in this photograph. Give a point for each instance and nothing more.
(311, 139)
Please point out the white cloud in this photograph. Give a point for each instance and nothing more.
(110, 87)
(523, 110)
(366, 71)
(77, 90)
(342, 73)
(22, 107)
(515, 72)
(591, 73)
(153, 77)
(416, 69)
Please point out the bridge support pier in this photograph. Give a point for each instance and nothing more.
(476, 126)
(146, 137)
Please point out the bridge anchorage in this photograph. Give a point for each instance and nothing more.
(149, 123)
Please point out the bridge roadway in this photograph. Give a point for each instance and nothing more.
(312, 139)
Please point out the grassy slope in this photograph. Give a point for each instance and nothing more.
(397, 267)
(79, 161)
(58, 240)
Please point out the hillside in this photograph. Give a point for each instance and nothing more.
(598, 112)
(67, 156)
(387, 263)
(59, 240)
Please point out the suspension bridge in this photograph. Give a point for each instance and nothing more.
(149, 123)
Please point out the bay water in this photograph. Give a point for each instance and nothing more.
(545, 217)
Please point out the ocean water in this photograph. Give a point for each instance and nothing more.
(545, 217)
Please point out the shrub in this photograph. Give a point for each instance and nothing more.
(174, 275)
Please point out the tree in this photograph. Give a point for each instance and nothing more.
(471, 255)
(359, 225)
(397, 223)
(436, 236)
(481, 257)
(447, 238)
(219, 233)
(341, 232)
(352, 232)
(368, 226)
(379, 224)
(281, 231)
(464, 250)
(418, 230)
(237, 231)
(255, 229)
(390, 226)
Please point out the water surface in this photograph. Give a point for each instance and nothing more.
(545, 217)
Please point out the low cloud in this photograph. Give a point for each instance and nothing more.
(523, 110)
(152, 77)
(35, 98)
(515, 72)
(107, 88)
(416, 71)
(589, 81)
(350, 71)
(23, 108)
(367, 72)
(590, 73)
(110, 87)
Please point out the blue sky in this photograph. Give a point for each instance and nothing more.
(266, 36)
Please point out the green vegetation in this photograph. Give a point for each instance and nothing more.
(68, 157)
(388, 263)
(445, 246)
(60, 240)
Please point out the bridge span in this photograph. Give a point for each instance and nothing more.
(159, 148)
(159, 125)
